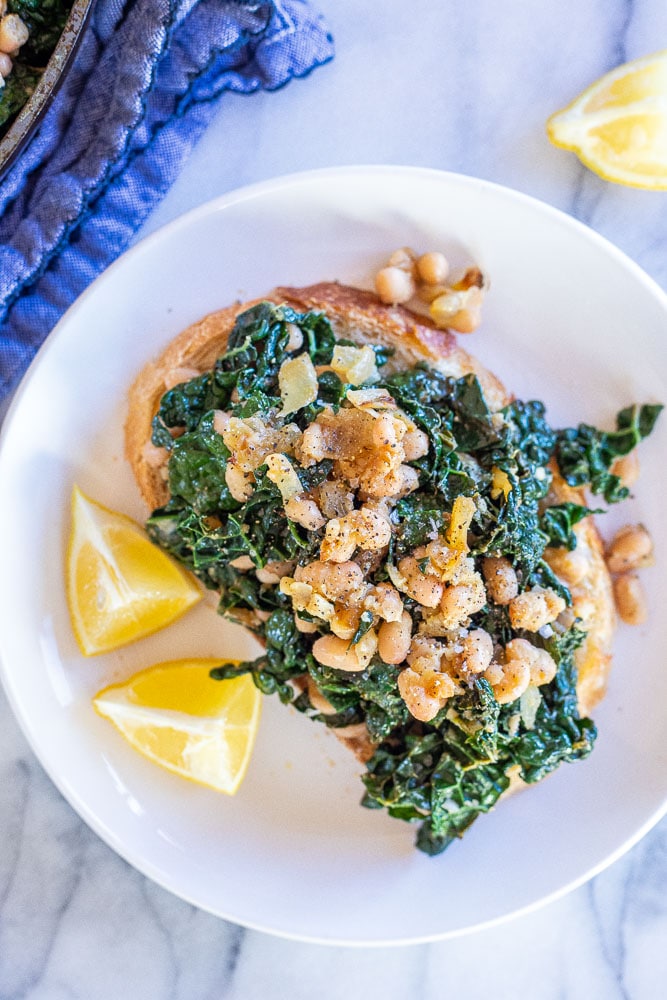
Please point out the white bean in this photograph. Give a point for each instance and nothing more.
(305, 512)
(240, 485)
(394, 639)
(627, 468)
(405, 258)
(630, 599)
(13, 33)
(394, 285)
(415, 444)
(308, 628)
(476, 653)
(534, 609)
(295, 338)
(501, 580)
(462, 600)
(508, 680)
(424, 588)
(242, 563)
(265, 575)
(334, 652)
(631, 548)
(338, 581)
(541, 664)
(425, 693)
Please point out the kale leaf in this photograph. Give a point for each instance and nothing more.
(559, 733)
(197, 470)
(558, 522)
(373, 692)
(244, 380)
(202, 525)
(444, 776)
(419, 517)
(449, 772)
(287, 656)
(585, 455)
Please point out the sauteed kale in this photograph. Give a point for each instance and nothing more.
(445, 772)
(45, 20)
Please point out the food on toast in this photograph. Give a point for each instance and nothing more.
(411, 544)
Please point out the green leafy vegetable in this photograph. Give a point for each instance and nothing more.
(287, 656)
(373, 692)
(45, 20)
(420, 517)
(365, 624)
(449, 773)
(558, 522)
(585, 455)
(444, 773)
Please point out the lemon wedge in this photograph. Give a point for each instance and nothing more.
(119, 585)
(176, 715)
(618, 126)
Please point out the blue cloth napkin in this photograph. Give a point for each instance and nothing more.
(143, 86)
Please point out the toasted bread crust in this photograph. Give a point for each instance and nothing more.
(196, 347)
(359, 316)
(592, 602)
(354, 314)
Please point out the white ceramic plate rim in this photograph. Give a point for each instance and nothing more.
(145, 246)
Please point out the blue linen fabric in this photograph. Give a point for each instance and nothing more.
(142, 88)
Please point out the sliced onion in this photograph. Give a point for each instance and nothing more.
(281, 472)
(355, 365)
(396, 577)
(297, 379)
(529, 704)
(371, 400)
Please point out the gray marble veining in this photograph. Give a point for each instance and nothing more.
(464, 87)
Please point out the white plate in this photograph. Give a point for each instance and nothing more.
(569, 319)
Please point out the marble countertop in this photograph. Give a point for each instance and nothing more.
(464, 87)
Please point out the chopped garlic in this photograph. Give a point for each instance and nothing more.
(281, 472)
(396, 577)
(319, 607)
(355, 364)
(297, 379)
(371, 400)
(300, 593)
(529, 704)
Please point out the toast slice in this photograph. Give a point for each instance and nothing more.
(360, 317)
